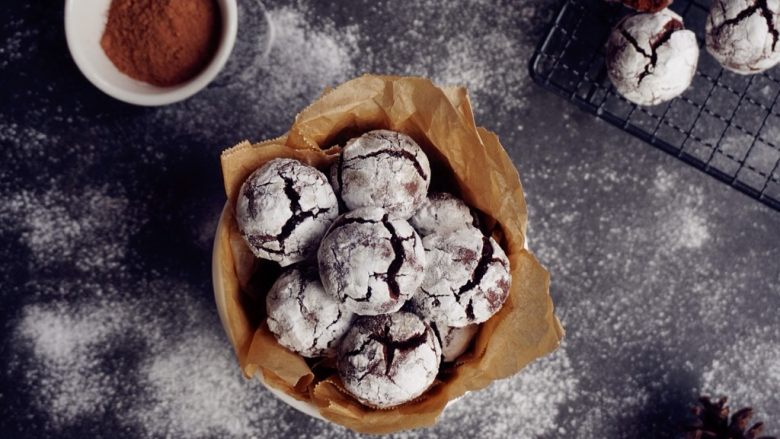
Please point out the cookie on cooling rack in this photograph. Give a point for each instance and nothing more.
(651, 58)
(743, 34)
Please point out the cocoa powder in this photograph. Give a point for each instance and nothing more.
(162, 42)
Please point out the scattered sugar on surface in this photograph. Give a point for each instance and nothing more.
(266, 91)
(736, 368)
(89, 229)
(66, 343)
(196, 390)
(12, 48)
(304, 60)
(526, 405)
(311, 51)
(488, 54)
(623, 283)
(187, 384)
(685, 227)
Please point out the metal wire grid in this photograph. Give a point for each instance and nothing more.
(725, 124)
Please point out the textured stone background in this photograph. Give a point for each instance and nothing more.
(666, 280)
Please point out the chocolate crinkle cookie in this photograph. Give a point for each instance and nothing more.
(384, 169)
(466, 280)
(389, 359)
(283, 210)
(454, 341)
(302, 316)
(743, 34)
(370, 262)
(644, 5)
(441, 212)
(651, 58)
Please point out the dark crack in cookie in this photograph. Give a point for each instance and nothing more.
(384, 169)
(441, 212)
(743, 34)
(454, 341)
(370, 262)
(283, 210)
(302, 316)
(389, 359)
(466, 280)
(651, 58)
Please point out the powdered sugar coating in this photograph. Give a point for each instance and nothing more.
(389, 359)
(466, 281)
(385, 169)
(283, 210)
(454, 341)
(371, 263)
(743, 34)
(651, 58)
(302, 316)
(441, 212)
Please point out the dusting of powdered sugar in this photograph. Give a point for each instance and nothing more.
(13, 46)
(266, 90)
(491, 67)
(66, 342)
(737, 369)
(313, 48)
(643, 258)
(187, 382)
(89, 229)
(306, 56)
(686, 227)
(526, 405)
(457, 43)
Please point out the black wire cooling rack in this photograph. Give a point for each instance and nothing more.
(725, 124)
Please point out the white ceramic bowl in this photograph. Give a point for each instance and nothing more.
(85, 21)
(219, 297)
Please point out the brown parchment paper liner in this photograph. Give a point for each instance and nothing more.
(469, 161)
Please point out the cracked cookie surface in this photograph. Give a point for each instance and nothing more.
(466, 280)
(302, 316)
(441, 212)
(743, 34)
(454, 341)
(283, 209)
(388, 359)
(651, 58)
(385, 169)
(371, 263)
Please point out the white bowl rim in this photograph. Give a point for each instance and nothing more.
(229, 13)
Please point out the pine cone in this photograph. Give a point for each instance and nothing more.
(713, 422)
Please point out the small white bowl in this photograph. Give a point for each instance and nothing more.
(85, 21)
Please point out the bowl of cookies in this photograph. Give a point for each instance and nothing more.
(370, 264)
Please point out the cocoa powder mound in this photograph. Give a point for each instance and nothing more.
(162, 42)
